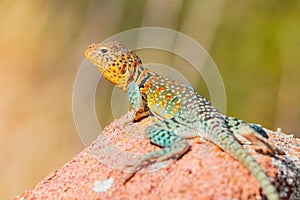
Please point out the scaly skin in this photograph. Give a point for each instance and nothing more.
(183, 111)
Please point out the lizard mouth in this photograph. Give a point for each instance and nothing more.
(91, 54)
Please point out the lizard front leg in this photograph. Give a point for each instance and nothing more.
(138, 103)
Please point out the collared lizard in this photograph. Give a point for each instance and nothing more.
(181, 110)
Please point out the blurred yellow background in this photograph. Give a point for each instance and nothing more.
(255, 44)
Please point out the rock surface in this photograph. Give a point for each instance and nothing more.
(205, 172)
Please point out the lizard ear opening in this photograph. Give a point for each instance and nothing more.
(123, 69)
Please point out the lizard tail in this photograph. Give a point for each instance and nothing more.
(230, 145)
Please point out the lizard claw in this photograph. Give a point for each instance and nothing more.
(127, 178)
(132, 171)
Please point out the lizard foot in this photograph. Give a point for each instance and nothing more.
(135, 167)
(178, 149)
(260, 143)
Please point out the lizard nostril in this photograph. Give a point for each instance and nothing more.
(89, 48)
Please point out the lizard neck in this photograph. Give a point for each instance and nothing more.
(141, 75)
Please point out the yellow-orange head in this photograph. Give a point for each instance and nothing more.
(115, 62)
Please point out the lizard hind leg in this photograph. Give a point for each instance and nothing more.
(251, 134)
(260, 143)
(162, 134)
(173, 146)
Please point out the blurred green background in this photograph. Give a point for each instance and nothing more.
(255, 44)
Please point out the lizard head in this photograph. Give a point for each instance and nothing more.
(115, 62)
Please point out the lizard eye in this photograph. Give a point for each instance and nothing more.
(104, 51)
